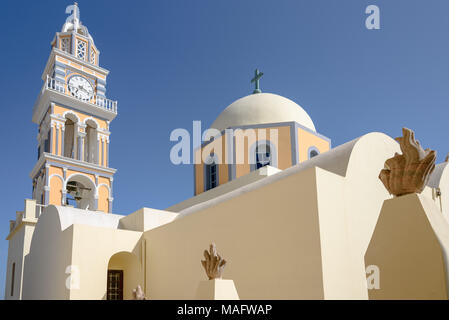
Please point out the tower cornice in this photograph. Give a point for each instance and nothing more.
(48, 158)
(57, 52)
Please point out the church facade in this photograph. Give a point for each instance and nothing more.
(295, 217)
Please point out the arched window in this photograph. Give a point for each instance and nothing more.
(313, 152)
(263, 153)
(69, 139)
(211, 173)
(263, 156)
(47, 142)
(90, 149)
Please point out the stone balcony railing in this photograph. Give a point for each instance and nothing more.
(64, 88)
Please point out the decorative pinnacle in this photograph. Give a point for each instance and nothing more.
(213, 263)
(408, 172)
(256, 80)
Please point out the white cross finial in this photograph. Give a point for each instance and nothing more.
(74, 17)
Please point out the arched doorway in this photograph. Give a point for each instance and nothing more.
(81, 192)
(124, 275)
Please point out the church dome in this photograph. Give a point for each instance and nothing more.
(262, 108)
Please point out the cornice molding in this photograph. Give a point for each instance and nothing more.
(86, 165)
(52, 59)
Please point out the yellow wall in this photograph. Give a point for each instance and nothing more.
(132, 270)
(103, 180)
(56, 135)
(56, 187)
(287, 215)
(56, 170)
(55, 191)
(53, 251)
(282, 145)
(79, 67)
(103, 199)
(306, 140)
(408, 248)
(218, 147)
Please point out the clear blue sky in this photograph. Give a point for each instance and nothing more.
(173, 62)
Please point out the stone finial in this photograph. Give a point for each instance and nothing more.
(447, 158)
(214, 263)
(138, 294)
(408, 172)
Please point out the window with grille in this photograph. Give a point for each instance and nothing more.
(263, 156)
(47, 142)
(65, 44)
(115, 285)
(211, 173)
(81, 48)
(93, 57)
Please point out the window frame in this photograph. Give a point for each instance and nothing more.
(253, 155)
(312, 149)
(211, 164)
(119, 289)
(85, 51)
(13, 275)
(64, 40)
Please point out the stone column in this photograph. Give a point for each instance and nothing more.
(97, 149)
(107, 153)
(56, 138)
(62, 139)
(52, 125)
(110, 200)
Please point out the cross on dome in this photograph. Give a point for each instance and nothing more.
(256, 80)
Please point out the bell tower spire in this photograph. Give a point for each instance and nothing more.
(73, 116)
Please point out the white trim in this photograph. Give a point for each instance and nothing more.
(93, 119)
(87, 165)
(56, 175)
(73, 113)
(105, 185)
(52, 59)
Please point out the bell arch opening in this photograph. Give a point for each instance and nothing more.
(80, 192)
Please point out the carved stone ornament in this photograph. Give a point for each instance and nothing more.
(214, 263)
(138, 293)
(408, 172)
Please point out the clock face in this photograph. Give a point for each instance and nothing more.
(81, 88)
